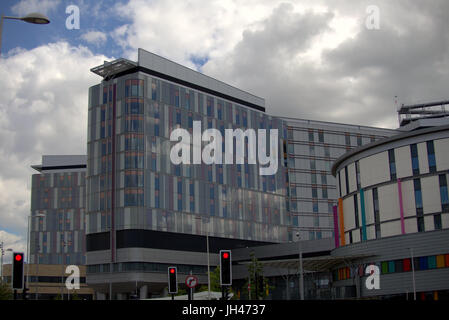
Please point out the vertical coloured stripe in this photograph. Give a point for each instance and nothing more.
(362, 206)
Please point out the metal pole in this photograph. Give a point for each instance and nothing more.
(208, 263)
(37, 275)
(28, 255)
(62, 256)
(301, 271)
(110, 281)
(3, 252)
(413, 274)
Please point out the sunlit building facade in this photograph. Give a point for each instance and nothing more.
(137, 198)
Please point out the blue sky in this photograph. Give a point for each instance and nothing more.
(309, 59)
(28, 36)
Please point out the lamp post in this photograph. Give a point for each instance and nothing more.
(35, 18)
(413, 274)
(28, 246)
(301, 271)
(3, 253)
(208, 258)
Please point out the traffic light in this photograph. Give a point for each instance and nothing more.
(225, 268)
(17, 270)
(172, 280)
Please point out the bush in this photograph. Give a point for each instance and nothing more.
(6, 292)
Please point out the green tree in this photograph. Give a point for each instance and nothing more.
(214, 283)
(6, 292)
(74, 296)
(256, 280)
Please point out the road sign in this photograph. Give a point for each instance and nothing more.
(191, 281)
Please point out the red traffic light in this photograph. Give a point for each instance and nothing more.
(225, 255)
(18, 257)
(172, 270)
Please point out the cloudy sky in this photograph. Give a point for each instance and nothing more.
(314, 59)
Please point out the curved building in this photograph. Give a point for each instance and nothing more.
(393, 211)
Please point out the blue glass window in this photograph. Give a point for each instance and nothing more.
(134, 88)
(134, 142)
(415, 161)
(392, 162)
(133, 106)
(444, 193)
(431, 156)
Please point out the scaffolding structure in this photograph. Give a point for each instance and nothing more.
(431, 110)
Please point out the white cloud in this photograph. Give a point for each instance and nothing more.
(24, 7)
(97, 38)
(11, 241)
(43, 110)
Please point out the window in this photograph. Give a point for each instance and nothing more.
(134, 88)
(314, 193)
(313, 178)
(312, 165)
(359, 140)
(415, 161)
(431, 156)
(134, 160)
(324, 193)
(133, 124)
(339, 183)
(134, 142)
(376, 212)
(133, 106)
(210, 106)
(347, 180)
(311, 137)
(134, 197)
(444, 193)
(356, 212)
(315, 206)
(437, 221)
(392, 162)
(419, 204)
(347, 139)
(357, 174)
(154, 90)
(133, 179)
(327, 152)
(320, 136)
(323, 179)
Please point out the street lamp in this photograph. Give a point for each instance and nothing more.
(208, 261)
(28, 245)
(413, 273)
(2, 254)
(301, 271)
(35, 18)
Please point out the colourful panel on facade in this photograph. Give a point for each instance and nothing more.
(432, 262)
(440, 261)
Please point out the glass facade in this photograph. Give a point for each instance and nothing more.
(57, 223)
(310, 150)
(132, 184)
